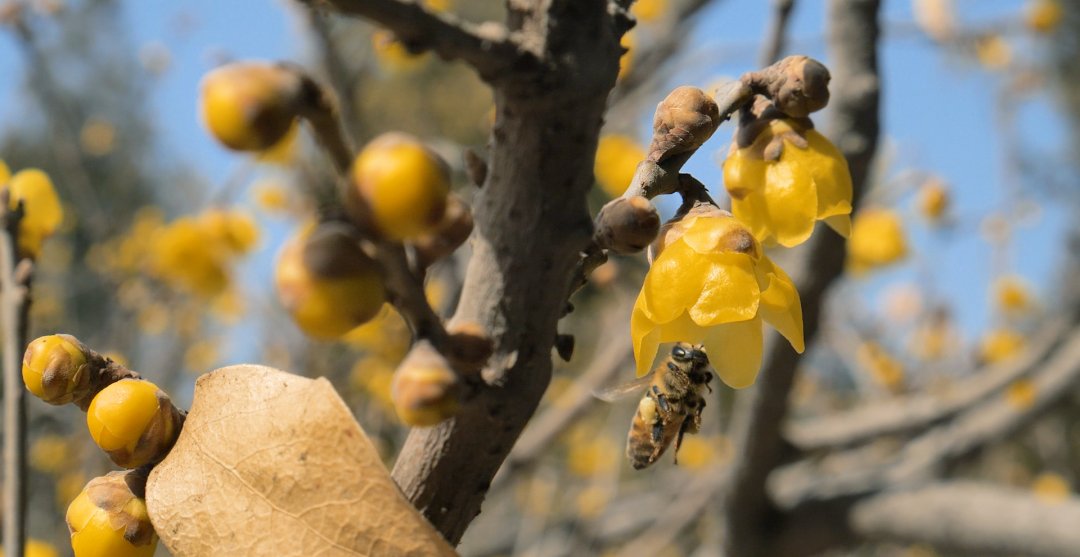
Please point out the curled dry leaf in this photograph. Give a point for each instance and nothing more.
(270, 463)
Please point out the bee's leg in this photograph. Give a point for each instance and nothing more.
(661, 400)
(678, 439)
(657, 432)
(708, 379)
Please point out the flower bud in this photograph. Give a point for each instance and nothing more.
(424, 389)
(451, 232)
(42, 212)
(626, 225)
(327, 283)
(400, 186)
(55, 369)
(804, 87)
(250, 106)
(468, 346)
(134, 422)
(109, 518)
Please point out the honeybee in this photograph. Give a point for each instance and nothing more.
(671, 406)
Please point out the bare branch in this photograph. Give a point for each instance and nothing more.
(921, 410)
(15, 278)
(972, 518)
(757, 430)
(776, 35)
(850, 472)
(489, 47)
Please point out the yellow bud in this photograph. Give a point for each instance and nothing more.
(109, 518)
(877, 240)
(617, 157)
(55, 369)
(453, 229)
(933, 200)
(400, 185)
(327, 283)
(250, 106)
(134, 422)
(37, 548)
(1043, 16)
(424, 389)
(42, 212)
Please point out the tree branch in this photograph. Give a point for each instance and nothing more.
(15, 278)
(776, 35)
(920, 410)
(490, 47)
(972, 518)
(757, 429)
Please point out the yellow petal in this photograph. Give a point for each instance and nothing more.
(674, 282)
(682, 329)
(646, 339)
(743, 174)
(785, 209)
(720, 233)
(831, 176)
(840, 223)
(780, 304)
(730, 292)
(735, 351)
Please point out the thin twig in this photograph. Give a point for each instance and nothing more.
(776, 36)
(489, 47)
(14, 310)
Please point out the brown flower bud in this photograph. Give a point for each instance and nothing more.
(802, 86)
(468, 346)
(626, 225)
(684, 120)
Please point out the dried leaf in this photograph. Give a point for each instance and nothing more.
(270, 463)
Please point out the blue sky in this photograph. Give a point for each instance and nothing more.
(938, 115)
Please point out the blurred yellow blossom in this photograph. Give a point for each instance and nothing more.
(153, 318)
(68, 487)
(697, 453)
(116, 357)
(201, 356)
(934, 339)
(710, 283)
(439, 5)
(42, 211)
(649, 10)
(993, 52)
(1051, 488)
(886, 371)
(37, 548)
(228, 306)
(626, 61)
(1011, 295)
(271, 197)
(787, 178)
(5, 173)
(617, 157)
(51, 454)
(933, 200)
(877, 239)
(1000, 345)
(392, 54)
(284, 151)
(592, 501)
(374, 376)
(97, 137)
(1020, 394)
(599, 455)
(1044, 16)
(936, 18)
(387, 335)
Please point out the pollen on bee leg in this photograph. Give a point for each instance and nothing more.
(647, 409)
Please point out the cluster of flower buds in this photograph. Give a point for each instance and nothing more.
(326, 281)
(133, 421)
(109, 518)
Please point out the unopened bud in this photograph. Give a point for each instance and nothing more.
(327, 283)
(55, 369)
(250, 106)
(468, 346)
(134, 422)
(425, 389)
(109, 518)
(626, 225)
(802, 87)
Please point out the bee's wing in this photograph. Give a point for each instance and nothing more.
(624, 390)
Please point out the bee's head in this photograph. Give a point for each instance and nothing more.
(690, 353)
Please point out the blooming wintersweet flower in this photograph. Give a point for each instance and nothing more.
(786, 178)
(877, 240)
(711, 284)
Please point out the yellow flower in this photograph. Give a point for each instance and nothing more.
(886, 371)
(786, 179)
(1000, 345)
(877, 240)
(626, 61)
(236, 230)
(393, 55)
(1012, 295)
(617, 157)
(599, 455)
(649, 10)
(1043, 16)
(188, 255)
(37, 548)
(271, 197)
(51, 454)
(42, 212)
(98, 137)
(993, 52)
(710, 284)
(1051, 487)
(933, 200)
